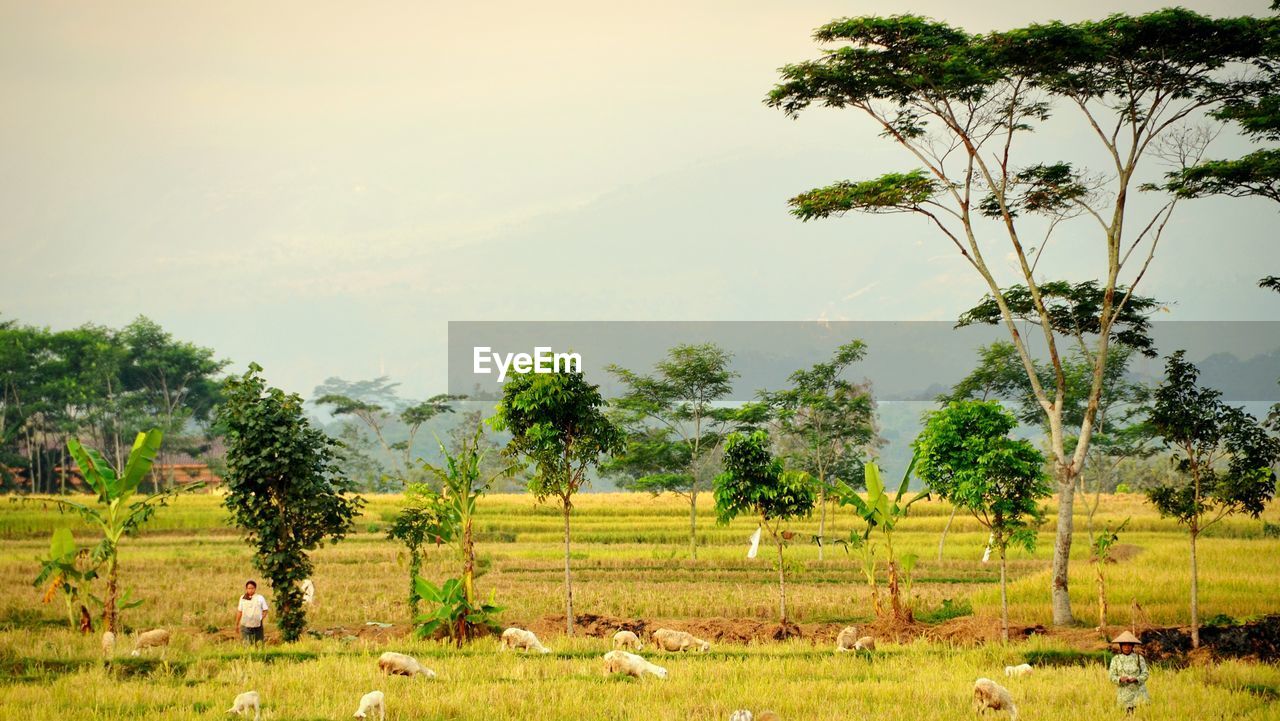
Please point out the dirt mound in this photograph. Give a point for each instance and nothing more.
(716, 630)
(975, 631)
(1254, 640)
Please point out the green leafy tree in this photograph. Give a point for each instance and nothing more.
(964, 106)
(283, 489)
(1223, 459)
(831, 422)
(755, 483)
(558, 425)
(671, 423)
(968, 459)
(120, 511)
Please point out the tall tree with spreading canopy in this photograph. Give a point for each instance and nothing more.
(966, 456)
(831, 422)
(672, 425)
(963, 104)
(558, 425)
(283, 488)
(1223, 460)
(754, 482)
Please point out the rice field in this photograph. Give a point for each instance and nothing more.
(631, 560)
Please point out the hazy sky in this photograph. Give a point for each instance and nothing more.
(321, 187)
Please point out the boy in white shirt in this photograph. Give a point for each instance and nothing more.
(251, 612)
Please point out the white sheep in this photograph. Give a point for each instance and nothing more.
(745, 715)
(244, 702)
(866, 643)
(308, 591)
(847, 638)
(108, 643)
(1021, 669)
(155, 638)
(522, 639)
(374, 700)
(398, 664)
(989, 695)
(627, 639)
(630, 664)
(668, 640)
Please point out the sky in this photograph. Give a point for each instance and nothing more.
(322, 187)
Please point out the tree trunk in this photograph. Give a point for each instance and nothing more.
(693, 520)
(568, 580)
(468, 564)
(1004, 596)
(1195, 593)
(415, 568)
(110, 618)
(943, 538)
(782, 585)
(1062, 547)
(1102, 595)
(822, 522)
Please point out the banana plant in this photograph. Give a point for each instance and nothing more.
(67, 572)
(452, 612)
(119, 510)
(880, 510)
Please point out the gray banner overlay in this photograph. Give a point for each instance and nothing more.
(906, 360)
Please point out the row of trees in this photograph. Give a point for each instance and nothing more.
(99, 385)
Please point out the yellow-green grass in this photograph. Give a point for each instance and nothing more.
(58, 676)
(631, 559)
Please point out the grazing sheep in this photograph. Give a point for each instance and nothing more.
(398, 664)
(988, 694)
(522, 639)
(308, 591)
(108, 643)
(847, 638)
(630, 664)
(627, 639)
(745, 715)
(154, 638)
(1021, 669)
(374, 700)
(668, 640)
(866, 643)
(244, 702)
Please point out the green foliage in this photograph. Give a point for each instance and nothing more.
(67, 571)
(452, 613)
(1223, 457)
(421, 521)
(890, 193)
(557, 424)
(754, 482)
(882, 511)
(1074, 310)
(283, 489)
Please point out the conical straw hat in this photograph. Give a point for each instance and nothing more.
(1127, 637)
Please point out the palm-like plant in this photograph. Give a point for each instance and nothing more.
(882, 511)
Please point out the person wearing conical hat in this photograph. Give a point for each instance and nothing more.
(1129, 673)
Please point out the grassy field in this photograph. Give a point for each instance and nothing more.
(631, 561)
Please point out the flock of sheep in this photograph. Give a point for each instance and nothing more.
(987, 694)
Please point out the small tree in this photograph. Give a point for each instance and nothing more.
(1100, 556)
(420, 522)
(754, 482)
(671, 423)
(967, 457)
(832, 422)
(67, 572)
(557, 424)
(1222, 458)
(117, 513)
(283, 489)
